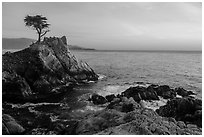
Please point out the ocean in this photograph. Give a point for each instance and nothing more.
(123, 69)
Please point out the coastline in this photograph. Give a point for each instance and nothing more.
(140, 108)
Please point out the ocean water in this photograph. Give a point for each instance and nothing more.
(123, 69)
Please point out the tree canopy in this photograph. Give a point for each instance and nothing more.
(38, 23)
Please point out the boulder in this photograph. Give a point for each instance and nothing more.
(182, 92)
(165, 91)
(98, 99)
(140, 93)
(109, 98)
(10, 126)
(34, 72)
(186, 109)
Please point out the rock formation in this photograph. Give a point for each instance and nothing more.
(42, 71)
(180, 116)
(187, 109)
(124, 116)
(141, 93)
(10, 126)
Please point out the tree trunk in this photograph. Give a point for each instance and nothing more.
(39, 37)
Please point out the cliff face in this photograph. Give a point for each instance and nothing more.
(42, 70)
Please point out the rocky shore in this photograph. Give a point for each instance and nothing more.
(126, 113)
(36, 79)
(42, 71)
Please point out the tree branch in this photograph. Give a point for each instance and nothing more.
(37, 30)
(44, 33)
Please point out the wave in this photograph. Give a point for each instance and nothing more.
(31, 104)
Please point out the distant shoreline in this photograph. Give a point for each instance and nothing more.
(95, 50)
(165, 51)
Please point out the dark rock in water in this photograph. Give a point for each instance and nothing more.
(141, 93)
(186, 109)
(10, 126)
(182, 92)
(97, 99)
(165, 91)
(34, 72)
(110, 97)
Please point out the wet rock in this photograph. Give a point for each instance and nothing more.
(109, 98)
(10, 126)
(165, 91)
(33, 72)
(186, 109)
(182, 92)
(97, 99)
(140, 93)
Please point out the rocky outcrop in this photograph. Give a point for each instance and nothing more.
(141, 93)
(124, 116)
(123, 104)
(39, 72)
(10, 126)
(97, 99)
(153, 91)
(109, 98)
(187, 109)
(128, 115)
(182, 92)
(164, 91)
(147, 122)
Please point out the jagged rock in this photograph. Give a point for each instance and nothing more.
(124, 104)
(182, 92)
(147, 122)
(34, 72)
(141, 121)
(109, 98)
(165, 91)
(14, 87)
(140, 93)
(64, 40)
(10, 126)
(186, 109)
(98, 122)
(98, 99)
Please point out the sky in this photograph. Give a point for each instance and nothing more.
(112, 26)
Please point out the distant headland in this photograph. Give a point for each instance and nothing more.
(21, 43)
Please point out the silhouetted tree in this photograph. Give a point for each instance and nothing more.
(38, 23)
